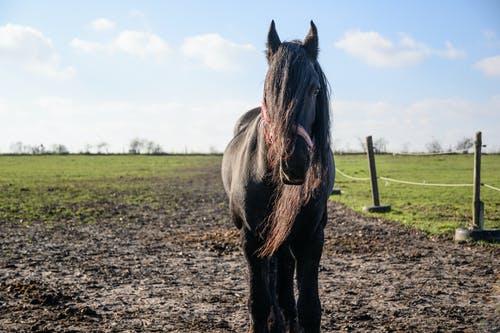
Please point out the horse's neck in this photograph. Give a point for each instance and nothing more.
(259, 148)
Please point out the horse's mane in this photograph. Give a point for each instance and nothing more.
(287, 81)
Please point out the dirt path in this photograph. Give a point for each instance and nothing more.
(183, 272)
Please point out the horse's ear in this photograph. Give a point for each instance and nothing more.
(273, 42)
(311, 42)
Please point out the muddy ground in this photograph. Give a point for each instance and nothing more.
(181, 270)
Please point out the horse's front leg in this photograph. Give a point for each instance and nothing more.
(286, 269)
(259, 300)
(308, 255)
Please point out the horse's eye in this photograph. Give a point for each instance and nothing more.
(316, 91)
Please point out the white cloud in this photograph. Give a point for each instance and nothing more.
(412, 125)
(32, 50)
(216, 52)
(489, 66)
(177, 127)
(379, 51)
(135, 43)
(87, 46)
(211, 50)
(102, 24)
(141, 44)
(450, 52)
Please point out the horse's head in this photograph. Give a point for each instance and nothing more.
(293, 88)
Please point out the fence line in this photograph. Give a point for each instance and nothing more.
(456, 152)
(423, 183)
(477, 232)
(491, 187)
(351, 177)
(413, 183)
(425, 154)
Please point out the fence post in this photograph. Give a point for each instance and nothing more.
(477, 232)
(477, 204)
(373, 176)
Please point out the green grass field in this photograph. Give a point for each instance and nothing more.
(90, 188)
(436, 210)
(87, 189)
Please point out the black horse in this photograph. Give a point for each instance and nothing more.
(278, 172)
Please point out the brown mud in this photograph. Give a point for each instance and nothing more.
(182, 270)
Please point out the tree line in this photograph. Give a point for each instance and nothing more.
(463, 145)
(144, 146)
(136, 146)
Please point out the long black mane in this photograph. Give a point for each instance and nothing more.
(287, 82)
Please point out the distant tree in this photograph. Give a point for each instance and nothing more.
(17, 147)
(102, 147)
(362, 144)
(380, 145)
(144, 146)
(59, 149)
(87, 149)
(152, 147)
(37, 149)
(335, 145)
(213, 150)
(434, 147)
(34, 150)
(135, 146)
(406, 148)
(465, 144)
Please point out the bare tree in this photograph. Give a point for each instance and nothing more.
(434, 147)
(213, 150)
(380, 145)
(135, 146)
(144, 146)
(405, 149)
(87, 149)
(37, 149)
(59, 149)
(102, 147)
(362, 144)
(157, 149)
(465, 144)
(152, 147)
(17, 147)
(335, 146)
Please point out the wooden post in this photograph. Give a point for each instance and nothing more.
(373, 176)
(477, 232)
(477, 204)
(373, 170)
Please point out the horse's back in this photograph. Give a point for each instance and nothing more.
(245, 119)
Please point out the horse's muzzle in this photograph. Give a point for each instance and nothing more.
(294, 168)
(287, 180)
(293, 173)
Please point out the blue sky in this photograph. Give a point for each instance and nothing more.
(181, 72)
